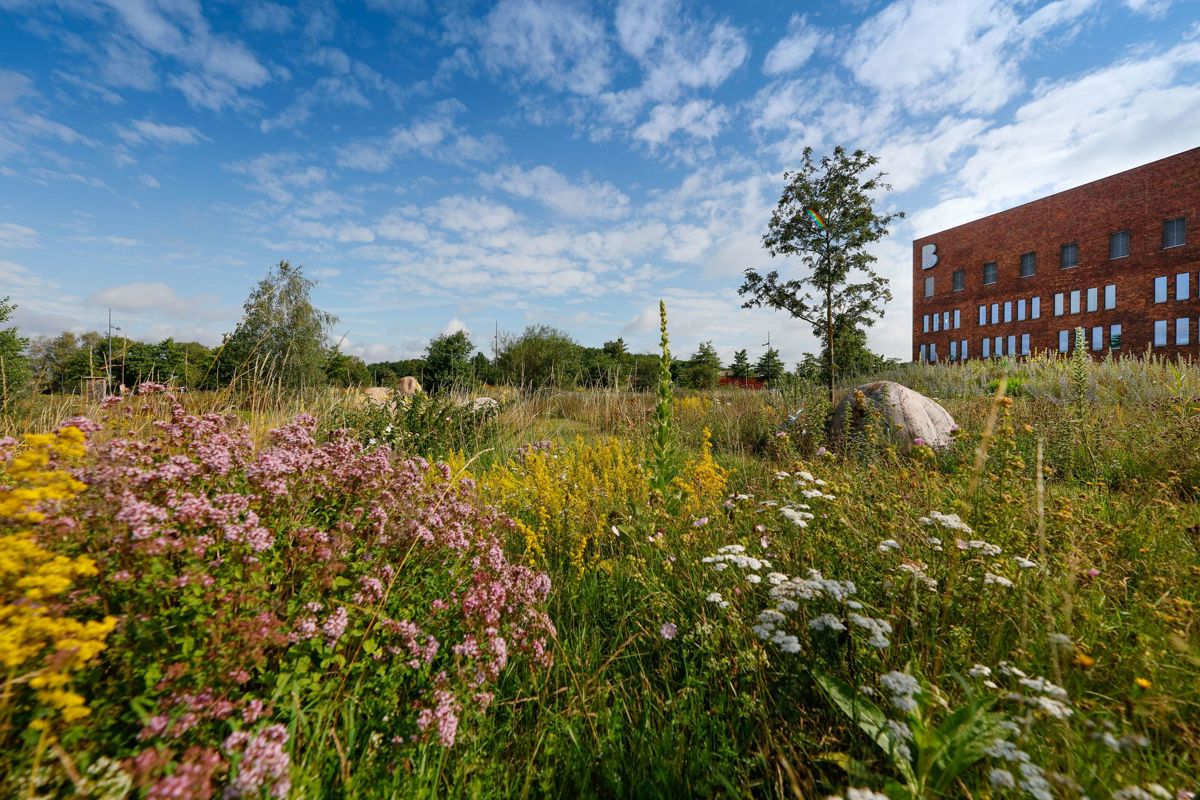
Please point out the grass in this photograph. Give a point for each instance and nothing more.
(1107, 612)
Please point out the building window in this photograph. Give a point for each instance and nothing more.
(1098, 338)
(1068, 255)
(1062, 341)
(937, 318)
(1035, 311)
(1093, 299)
(1024, 344)
(987, 347)
(932, 352)
(945, 320)
(1160, 289)
(1110, 296)
(1174, 232)
(953, 351)
(957, 319)
(983, 315)
(1118, 244)
(1182, 328)
(1114, 337)
(922, 359)
(959, 280)
(998, 346)
(995, 313)
(1012, 345)
(1008, 311)
(1021, 310)
(1028, 265)
(991, 273)
(1058, 304)
(1075, 301)
(1160, 333)
(925, 324)
(962, 350)
(929, 286)
(1181, 286)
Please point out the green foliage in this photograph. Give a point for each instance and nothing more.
(540, 357)
(703, 370)
(16, 377)
(770, 367)
(840, 283)
(740, 368)
(664, 455)
(852, 357)
(282, 337)
(448, 362)
(343, 370)
(427, 425)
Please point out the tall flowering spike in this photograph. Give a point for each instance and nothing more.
(665, 468)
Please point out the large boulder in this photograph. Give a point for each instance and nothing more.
(905, 415)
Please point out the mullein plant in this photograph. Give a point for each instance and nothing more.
(664, 457)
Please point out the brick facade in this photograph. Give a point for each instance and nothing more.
(1138, 201)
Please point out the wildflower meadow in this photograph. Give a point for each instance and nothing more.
(607, 593)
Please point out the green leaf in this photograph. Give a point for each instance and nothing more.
(867, 716)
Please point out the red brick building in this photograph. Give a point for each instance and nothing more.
(1117, 257)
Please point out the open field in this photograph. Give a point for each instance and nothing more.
(230, 599)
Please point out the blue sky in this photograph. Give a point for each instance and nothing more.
(439, 165)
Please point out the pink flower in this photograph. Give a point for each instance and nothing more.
(918, 442)
(668, 631)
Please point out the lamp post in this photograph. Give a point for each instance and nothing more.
(108, 370)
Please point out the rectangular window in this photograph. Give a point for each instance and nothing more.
(1068, 255)
(929, 286)
(959, 280)
(932, 352)
(1062, 341)
(1075, 301)
(962, 350)
(991, 273)
(1008, 311)
(1098, 338)
(1114, 337)
(1012, 345)
(1160, 333)
(957, 319)
(987, 347)
(998, 346)
(1118, 244)
(1160, 289)
(1110, 296)
(1174, 232)
(1036, 311)
(1058, 304)
(937, 318)
(922, 359)
(983, 315)
(945, 320)
(1181, 286)
(1021, 310)
(1028, 265)
(1182, 328)
(953, 351)
(1093, 299)
(995, 313)
(925, 323)
(1024, 344)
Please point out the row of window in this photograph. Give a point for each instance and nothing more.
(1183, 289)
(994, 347)
(1093, 300)
(942, 321)
(1174, 235)
(1035, 311)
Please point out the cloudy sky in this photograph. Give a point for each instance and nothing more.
(438, 164)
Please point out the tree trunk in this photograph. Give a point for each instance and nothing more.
(829, 340)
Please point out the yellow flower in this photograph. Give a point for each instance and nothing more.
(1084, 660)
(1142, 682)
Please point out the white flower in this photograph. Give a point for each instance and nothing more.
(979, 671)
(776, 578)
(888, 544)
(771, 617)
(877, 628)
(754, 577)
(787, 643)
(952, 522)
(826, 622)
(715, 597)
(795, 516)
(1002, 779)
(1024, 563)
(996, 580)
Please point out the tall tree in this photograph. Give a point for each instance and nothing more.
(853, 357)
(448, 361)
(740, 368)
(541, 356)
(770, 367)
(826, 218)
(15, 373)
(282, 336)
(703, 370)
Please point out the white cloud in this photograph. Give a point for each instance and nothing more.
(545, 185)
(640, 23)
(14, 86)
(1077, 130)
(149, 181)
(794, 50)
(145, 131)
(556, 43)
(435, 135)
(13, 235)
(454, 326)
(278, 175)
(1155, 9)
(697, 118)
(267, 16)
(472, 214)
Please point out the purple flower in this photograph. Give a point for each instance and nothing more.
(822, 451)
(700, 523)
(918, 442)
(668, 631)
(1093, 572)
